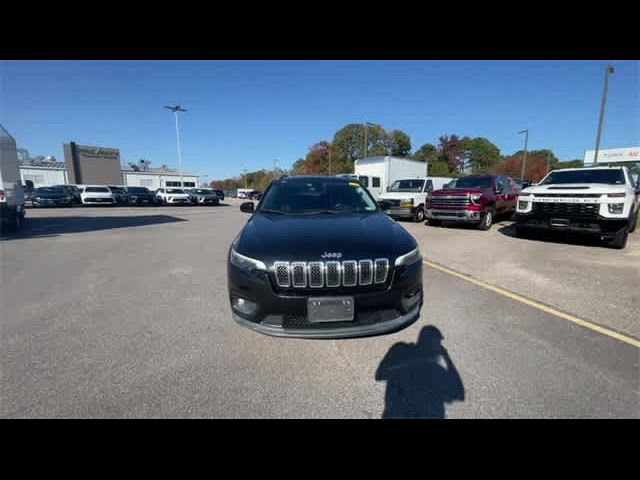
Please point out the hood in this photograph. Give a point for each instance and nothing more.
(575, 188)
(178, 195)
(270, 237)
(97, 194)
(50, 195)
(398, 195)
(460, 191)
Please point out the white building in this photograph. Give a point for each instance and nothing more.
(44, 173)
(608, 156)
(154, 178)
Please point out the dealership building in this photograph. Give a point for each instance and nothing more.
(90, 165)
(613, 156)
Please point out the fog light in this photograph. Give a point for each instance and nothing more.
(616, 208)
(409, 300)
(244, 306)
(523, 205)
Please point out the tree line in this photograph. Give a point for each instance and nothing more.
(452, 156)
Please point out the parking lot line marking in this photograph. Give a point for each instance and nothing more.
(540, 306)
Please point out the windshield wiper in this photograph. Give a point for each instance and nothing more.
(277, 212)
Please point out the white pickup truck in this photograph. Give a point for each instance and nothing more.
(597, 200)
(12, 209)
(407, 197)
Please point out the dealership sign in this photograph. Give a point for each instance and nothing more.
(613, 155)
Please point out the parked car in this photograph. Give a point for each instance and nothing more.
(319, 259)
(604, 201)
(140, 196)
(204, 196)
(71, 190)
(119, 194)
(97, 195)
(51, 197)
(220, 194)
(172, 196)
(475, 199)
(28, 190)
(407, 197)
(255, 195)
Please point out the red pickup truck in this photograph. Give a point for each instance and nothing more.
(475, 199)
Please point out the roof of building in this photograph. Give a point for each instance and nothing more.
(43, 164)
(156, 171)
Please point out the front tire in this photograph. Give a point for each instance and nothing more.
(418, 216)
(634, 222)
(620, 240)
(487, 220)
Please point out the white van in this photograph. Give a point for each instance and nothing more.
(407, 197)
(378, 173)
(12, 209)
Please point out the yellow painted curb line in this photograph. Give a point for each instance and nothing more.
(532, 303)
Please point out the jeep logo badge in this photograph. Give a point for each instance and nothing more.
(331, 255)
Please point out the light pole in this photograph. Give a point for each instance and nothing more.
(603, 102)
(524, 160)
(366, 124)
(175, 109)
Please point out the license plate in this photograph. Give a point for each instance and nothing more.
(330, 309)
(559, 222)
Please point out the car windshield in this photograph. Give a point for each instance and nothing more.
(138, 190)
(473, 182)
(200, 191)
(96, 190)
(175, 190)
(49, 191)
(609, 177)
(407, 186)
(116, 189)
(317, 196)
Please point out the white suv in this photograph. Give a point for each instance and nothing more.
(172, 196)
(599, 200)
(97, 195)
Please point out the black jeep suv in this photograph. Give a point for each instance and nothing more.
(319, 259)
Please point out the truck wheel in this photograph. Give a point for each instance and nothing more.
(419, 215)
(620, 240)
(487, 220)
(435, 223)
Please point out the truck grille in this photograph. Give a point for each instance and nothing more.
(331, 274)
(451, 200)
(565, 195)
(580, 211)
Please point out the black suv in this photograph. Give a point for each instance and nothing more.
(319, 259)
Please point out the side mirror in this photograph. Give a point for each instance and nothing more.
(247, 207)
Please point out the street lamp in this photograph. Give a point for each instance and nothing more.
(175, 109)
(366, 124)
(524, 160)
(609, 70)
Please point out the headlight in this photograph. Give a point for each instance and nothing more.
(246, 263)
(407, 203)
(523, 204)
(475, 197)
(616, 208)
(617, 195)
(409, 258)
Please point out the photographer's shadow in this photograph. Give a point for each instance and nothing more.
(418, 385)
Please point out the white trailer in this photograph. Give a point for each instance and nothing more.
(11, 192)
(378, 173)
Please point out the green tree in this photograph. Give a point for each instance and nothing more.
(298, 167)
(452, 148)
(481, 154)
(399, 143)
(426, 153)
(577, 163)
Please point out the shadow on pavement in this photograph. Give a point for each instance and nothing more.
(52, 226)
(418, 385)
(570, 238)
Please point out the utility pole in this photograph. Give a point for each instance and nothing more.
(366, 143)
(609, 70)
(548, 161)
(524, 160)
(175, 109)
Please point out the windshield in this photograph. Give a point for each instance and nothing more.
(200, 191)
(407, 186)
(317, 196)
(609, 177)
(49, 191)
(175, 190)
(138, 190)
(96, 190)
(473, 182)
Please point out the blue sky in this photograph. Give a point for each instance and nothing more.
(245, 114)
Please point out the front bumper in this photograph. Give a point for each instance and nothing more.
(181, 201)
(397, 212)
(284, 314)
(142, 201)
(600, 225)
(98, 201)
(470, 216)
(207, 201)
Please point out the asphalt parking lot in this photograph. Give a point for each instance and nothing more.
(123, 312)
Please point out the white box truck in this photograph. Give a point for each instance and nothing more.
(401, 182)
(11, 193)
